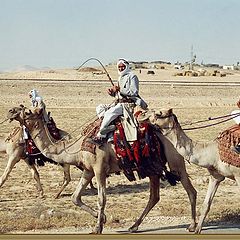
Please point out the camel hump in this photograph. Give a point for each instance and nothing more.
(226, 140)
(14, 134)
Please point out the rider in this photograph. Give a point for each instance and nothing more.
(127, 93)
(36, 101)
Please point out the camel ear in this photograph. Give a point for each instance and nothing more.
(170, 111)
(29, 112)
(38, 111)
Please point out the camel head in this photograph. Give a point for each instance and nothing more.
(166, 120)
(24, 115)
(15, 113)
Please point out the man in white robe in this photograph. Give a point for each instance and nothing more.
(127, 93)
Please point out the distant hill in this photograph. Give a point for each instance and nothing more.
(26, 68)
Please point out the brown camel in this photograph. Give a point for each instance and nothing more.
(204, 154)
(14, 147)
(100, 164)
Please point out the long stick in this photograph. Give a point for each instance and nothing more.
(109, 78)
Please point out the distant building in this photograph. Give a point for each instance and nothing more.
(228, 67)
(211, 65)
(178, 66)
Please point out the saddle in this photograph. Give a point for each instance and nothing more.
(227, 139)
(90, 131)
(145, 156)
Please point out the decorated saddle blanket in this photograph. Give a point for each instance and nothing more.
(145, 156)
(226, 140)
(89, 132)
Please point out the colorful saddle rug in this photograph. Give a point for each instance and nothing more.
(226, 140)
(145, 156)
(89, 132)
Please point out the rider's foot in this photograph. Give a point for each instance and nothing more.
(97, 141)
(107, 129)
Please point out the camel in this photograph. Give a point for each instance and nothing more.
(14, 147)
(101, 164)
(204, 154)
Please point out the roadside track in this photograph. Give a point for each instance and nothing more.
(170, 83)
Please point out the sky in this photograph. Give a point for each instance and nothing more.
(65, 33)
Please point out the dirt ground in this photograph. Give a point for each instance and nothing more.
(72, 105)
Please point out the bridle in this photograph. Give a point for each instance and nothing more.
(25, 118)
(160, 116)
(50, 138)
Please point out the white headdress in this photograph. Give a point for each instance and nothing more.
(126, 63)
(34, 95)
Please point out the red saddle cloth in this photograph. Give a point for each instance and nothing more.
(226, 140)
(145, 155)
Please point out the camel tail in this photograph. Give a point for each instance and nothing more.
(172, 178)
(3, 145)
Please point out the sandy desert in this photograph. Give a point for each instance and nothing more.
(71, 96)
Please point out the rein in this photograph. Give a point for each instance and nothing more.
(229, 117)
(204, 126)
(212, 118)
(4, 121)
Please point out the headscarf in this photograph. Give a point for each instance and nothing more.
(126, 70)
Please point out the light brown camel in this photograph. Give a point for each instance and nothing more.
(100, 164)
(14, 147)
(204, 154)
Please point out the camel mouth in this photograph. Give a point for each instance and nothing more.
(11, 117)
(14, 113)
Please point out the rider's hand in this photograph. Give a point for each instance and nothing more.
(112, 91)
(115, 88)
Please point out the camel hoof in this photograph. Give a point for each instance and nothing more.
(197, 230)
(97, 230)
(57, 196)
(41, 196)
(192, 227)
(133, 229)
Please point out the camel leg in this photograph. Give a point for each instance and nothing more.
(66, 181)
(176, 164)
(238, 181)
(153, 199)
(214, 182)
(76, 196)
(36, 176)
(11, 163)
(192, 195)
(101, 187)
(92, 186)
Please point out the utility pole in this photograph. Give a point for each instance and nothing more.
(192, 60)
(191, 66)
